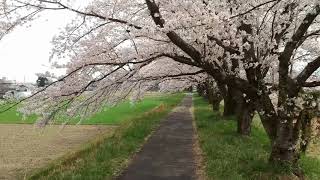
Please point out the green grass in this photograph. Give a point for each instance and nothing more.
(112, 115)
(12, 116)
(123, 111)
(105, 158)
(229, 156)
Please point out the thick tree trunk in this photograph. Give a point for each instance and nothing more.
(201, 90)
(268, 116)
(244, 113)
(286, 155)
(283, 155)
(229, 107)
(306, 130)
(230, 103)
(244, 119)
(214, 98)
(283, 152)
(216, 105)
(284, 149)
(236, 104)
(210, 94)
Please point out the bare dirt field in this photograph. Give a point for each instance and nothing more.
(25, 147)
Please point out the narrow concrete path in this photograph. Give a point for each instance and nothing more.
(168, 154)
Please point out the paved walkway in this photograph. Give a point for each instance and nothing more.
(168, 154)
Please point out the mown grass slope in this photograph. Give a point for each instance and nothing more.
(229, 156)
(109, 115)
(12, 116)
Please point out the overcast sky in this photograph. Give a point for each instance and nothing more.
(26, 50)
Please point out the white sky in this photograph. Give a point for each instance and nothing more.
(26, 50)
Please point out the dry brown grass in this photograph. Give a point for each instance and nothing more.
(25, 147)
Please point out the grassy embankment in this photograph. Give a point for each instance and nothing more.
(109, 116)
(229, 156)
(12, 116)
(106, 157)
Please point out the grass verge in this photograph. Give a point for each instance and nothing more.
(229, 156)
(12, 116)
(106, 157)
(109, 115)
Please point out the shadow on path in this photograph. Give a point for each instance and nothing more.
(168, 154)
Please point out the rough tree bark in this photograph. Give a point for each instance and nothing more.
(245, 120)
(202, 90)
(216, 102)
(245, 113)
(230, 103)
(306, 129)
(283, 148)
(214, 96)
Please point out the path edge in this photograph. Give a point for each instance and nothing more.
(200, 165)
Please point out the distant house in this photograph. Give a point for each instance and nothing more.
(16, 90)
(5, 86)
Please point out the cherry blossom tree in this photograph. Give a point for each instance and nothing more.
(249, 48)
(264, 39)
(210, 91)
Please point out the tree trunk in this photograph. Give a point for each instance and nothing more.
(284, 149)
(209, 90)
(216, 105)
(214, 98)
(244, 119)
(230, 104)
(283, 153)
(244, 113)
(306, 130)
(201, 90)
(229, 107)
(268, 116)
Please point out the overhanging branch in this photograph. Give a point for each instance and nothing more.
(173, 36)
(311, 84)
(308, 71)
(226, 48)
